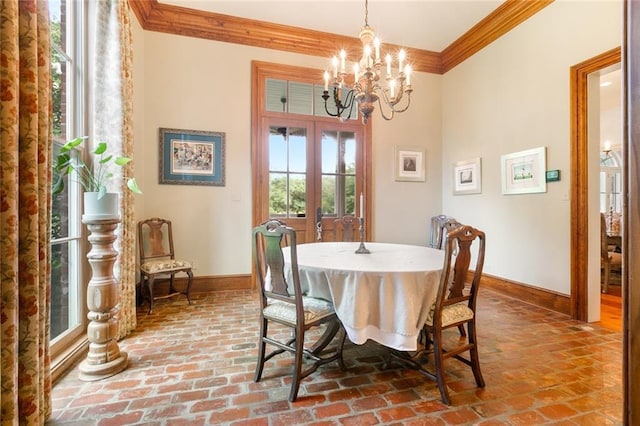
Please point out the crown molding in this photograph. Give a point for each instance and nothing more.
(154, 16)
(507, 16)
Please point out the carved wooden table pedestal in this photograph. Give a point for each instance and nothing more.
(104, 358)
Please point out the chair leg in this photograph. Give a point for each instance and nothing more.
(463, 333)
(150, 288)
(261, 349)
(297, 366)
(439, 366)
(171, 280)
(473, 353)
(189, 284)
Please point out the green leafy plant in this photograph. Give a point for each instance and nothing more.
(92, 178)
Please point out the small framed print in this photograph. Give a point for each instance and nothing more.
(524, 172)
(467, 177)
(409, 164)
(191, 157)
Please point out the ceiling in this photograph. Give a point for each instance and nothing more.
(423, 24)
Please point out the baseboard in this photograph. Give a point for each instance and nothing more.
(536, 296)
(65, 361)
(544, 298)
(205, 284)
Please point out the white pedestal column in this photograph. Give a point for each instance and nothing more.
(104, 358)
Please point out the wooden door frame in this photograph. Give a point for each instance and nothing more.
(580, 178)
(259, 72)
(631, 224)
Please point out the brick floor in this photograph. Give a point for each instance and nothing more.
(193, 365)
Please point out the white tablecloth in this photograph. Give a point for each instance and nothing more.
(384, 296)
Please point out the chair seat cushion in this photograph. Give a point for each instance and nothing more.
(452, 314)
(165, 265)
(314, 310)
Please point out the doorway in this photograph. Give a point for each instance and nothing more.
(608, 86)
(585, 297)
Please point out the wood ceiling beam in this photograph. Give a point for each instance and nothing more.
(154, 16)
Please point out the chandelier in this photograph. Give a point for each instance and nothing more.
(373, 80)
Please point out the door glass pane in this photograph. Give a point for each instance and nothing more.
(329, 152)
(318, 102)
(297, 150)
(276, 93)
(300, 99)
(287, 171)
(338, 172)
(278, 149)
(349, 153)
(349, 200)
(298, 195)
(328, 195)
(278, 191)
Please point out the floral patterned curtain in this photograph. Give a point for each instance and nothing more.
(112, 122)
(25, 186)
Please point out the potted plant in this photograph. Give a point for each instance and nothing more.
(94, 177)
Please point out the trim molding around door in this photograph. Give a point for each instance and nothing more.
(579, 178)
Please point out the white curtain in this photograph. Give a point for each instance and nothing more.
(112, 107)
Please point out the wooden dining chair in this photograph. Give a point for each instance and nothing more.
(344, 228)
(282, 302)
(456, 307)
(609, 260)
(441, 225)
(157, 260)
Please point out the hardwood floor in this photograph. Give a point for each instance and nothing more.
(611, 309)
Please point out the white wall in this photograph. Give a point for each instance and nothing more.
(402, 210)
(189, 83)
(511, 96)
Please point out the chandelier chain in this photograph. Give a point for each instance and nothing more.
(366, 13)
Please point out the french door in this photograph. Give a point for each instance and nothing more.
(308, 168)
(311, 172)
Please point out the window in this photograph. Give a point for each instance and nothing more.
(68, 312)
(610, 183)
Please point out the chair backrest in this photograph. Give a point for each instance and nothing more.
(344, 228)
(459, 248)
(441, 225)
(155, 239)
(269, 262)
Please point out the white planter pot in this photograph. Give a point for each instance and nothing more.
(100, 209)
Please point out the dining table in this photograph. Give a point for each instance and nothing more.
(384, 295)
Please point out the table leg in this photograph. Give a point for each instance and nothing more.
(332, 329)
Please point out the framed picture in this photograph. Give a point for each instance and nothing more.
(467, 177)
(409, 164)
(524, 172)
(191, 157)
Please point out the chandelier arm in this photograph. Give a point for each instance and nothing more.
(392, 105)
(382, 113)
(341, 107)
(406, 106)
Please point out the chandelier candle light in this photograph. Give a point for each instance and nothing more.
(367, 86)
